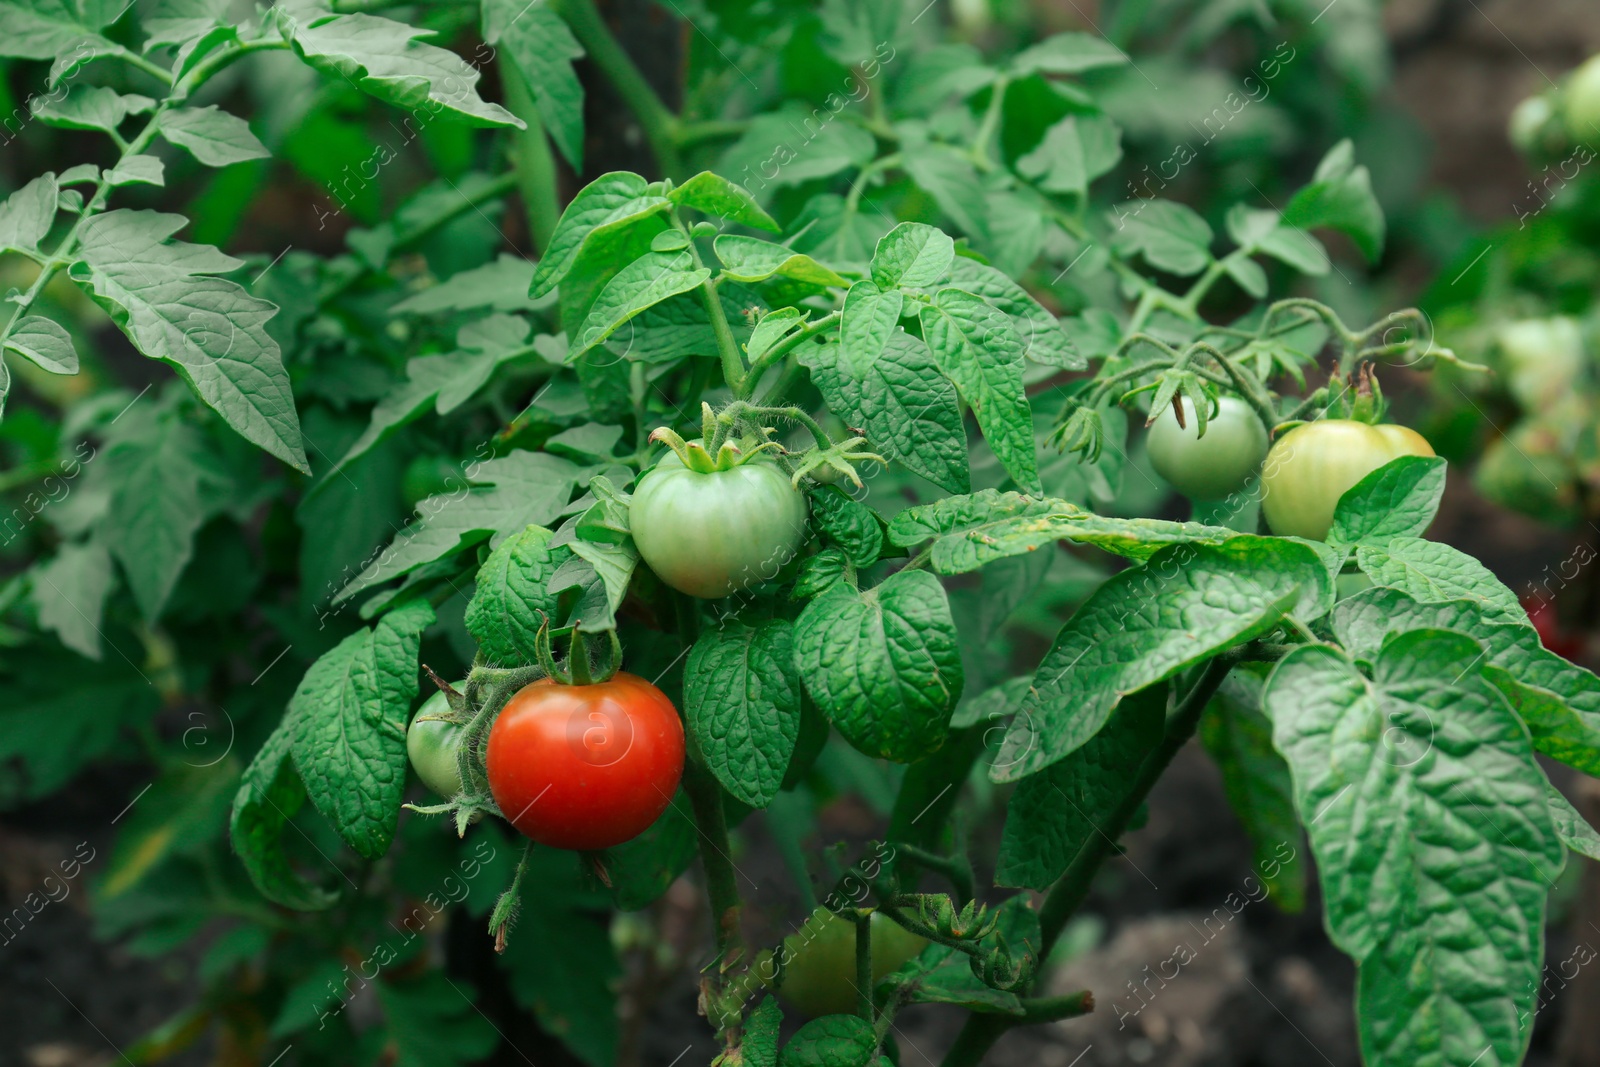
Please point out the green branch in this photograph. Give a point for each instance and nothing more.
(659, 124)
(536, 164)
(790, 343)
(62, 255)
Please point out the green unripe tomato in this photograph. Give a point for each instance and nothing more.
(432, 747)
(709, 535)
(819, 969)
(1532, 127)
(1315, 464)
(1217, 465)
(1583, 102)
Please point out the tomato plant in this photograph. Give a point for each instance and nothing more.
(807, 399)
(1312, 466)
(1212, 465)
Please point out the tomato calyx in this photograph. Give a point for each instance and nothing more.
(717, 451)
(580, 669)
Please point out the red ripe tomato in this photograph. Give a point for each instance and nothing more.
(585, 767)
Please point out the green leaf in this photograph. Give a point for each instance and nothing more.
(1042, 336)
(794, 145)
(1256, 780)
(773, 327)
(832, 1041)
(1431, 572)
(1073, 153)
(1559, 701)
(137, 170)
(758, 1044)
(46, 343)
(978, 349)
(1296, 247)
(644, 868)
(906, 409)
(643, 283)
(716, 195)
(1143, 626)
(821, 572)
(605, 558)
(973, 531)
(26, 214)
(604, 207)
(46, 29)
(433, 1022)
(944, 976)
(540, 48)
(498, 286)
(1340, 197)
(871, 318)
(1249, 275)
(70, 591)
(165, 480)
(164, 296)
(848, 523)
(269, 795)
(1431, 826)
(212, 136)
(884, 666)
(388, 60)
(1573, 828)
(742, 701)
(349, 717)
(85, 107)
(750, 259)
(1170, 236)
(1056, 812)
(510, 600)
(970, 531)
(1068, 53)
(1399, 499)
(913, 255)
(506, 495)
(947, 174)
(93, 108)
(443, 382)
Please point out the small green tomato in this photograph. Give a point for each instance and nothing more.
(1217, 465)
(432, 745)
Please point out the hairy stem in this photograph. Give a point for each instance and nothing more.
(722, 887)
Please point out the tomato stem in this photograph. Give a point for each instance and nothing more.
(864, 966)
